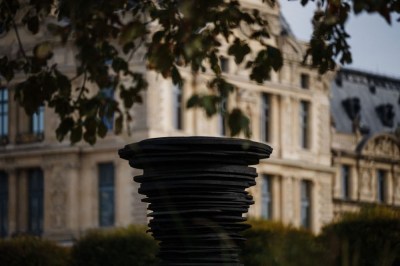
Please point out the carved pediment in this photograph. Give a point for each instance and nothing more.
(384, 145)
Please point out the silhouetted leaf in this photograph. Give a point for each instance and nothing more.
(119, 64)
(64, 127)
(193, 101)
(131, 31)
(76, 134)
(33, 24)
(89, 137)
(238, 122)
(6, 68)
(118, 125)
(239, 49)
(176, 76)
(102, 130)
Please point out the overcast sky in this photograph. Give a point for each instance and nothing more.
(375, 45)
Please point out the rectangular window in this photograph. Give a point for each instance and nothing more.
(3, 112)
(35, 201)
(3, 204)
(106, 194)
(345, 181)
(305, 81)
(177, 105)
(224, 64)
(265, 117)
(108, 118)
(304, 124)
(381, 185)
(37, 122)
(222, 118)
(266, 197)
(305, 210)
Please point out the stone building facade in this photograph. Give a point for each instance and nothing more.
(365, 112)
(59, 191)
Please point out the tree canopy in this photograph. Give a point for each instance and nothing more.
(174, 35)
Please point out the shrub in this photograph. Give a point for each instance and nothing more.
(272, 243)
(32, 251)
(369, 237)
(117, 247)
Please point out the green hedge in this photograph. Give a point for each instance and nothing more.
(368, 238)
(272, 243)
(120, 247)
(32, 251)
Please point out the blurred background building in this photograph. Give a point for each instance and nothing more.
(335, 140)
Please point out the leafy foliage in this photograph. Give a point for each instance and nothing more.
(371, 237)
(272, 243)
(32, 251)
(174, 36)
(124, 246)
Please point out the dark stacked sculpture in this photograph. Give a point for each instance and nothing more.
(195, 187)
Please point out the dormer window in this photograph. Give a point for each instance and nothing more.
(386, 114)
(352, 107)
(372, 89)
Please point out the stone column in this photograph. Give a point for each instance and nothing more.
(61, 195)
(12, 201)
(22, 202)
(276, 197)
(287, 199)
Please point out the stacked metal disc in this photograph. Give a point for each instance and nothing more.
(196, 190)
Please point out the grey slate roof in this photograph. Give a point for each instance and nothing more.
(357, 84)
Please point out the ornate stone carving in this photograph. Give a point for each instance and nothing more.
(57, 168)
(383, 146)
(58, 197)
(248, 96)
(366, 182)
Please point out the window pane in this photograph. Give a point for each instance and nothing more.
(35, 201)
(108, 120)
(221, 118)
(177, 105)
(305, 204)
(381, 174)
(304, 124)
(37, 121)
(345, 177)
(305, 81)
(266, 197)
(3, 204)
(4, 112)
(106, 194)
(265, 117)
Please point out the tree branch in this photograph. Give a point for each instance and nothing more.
(21, 48)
